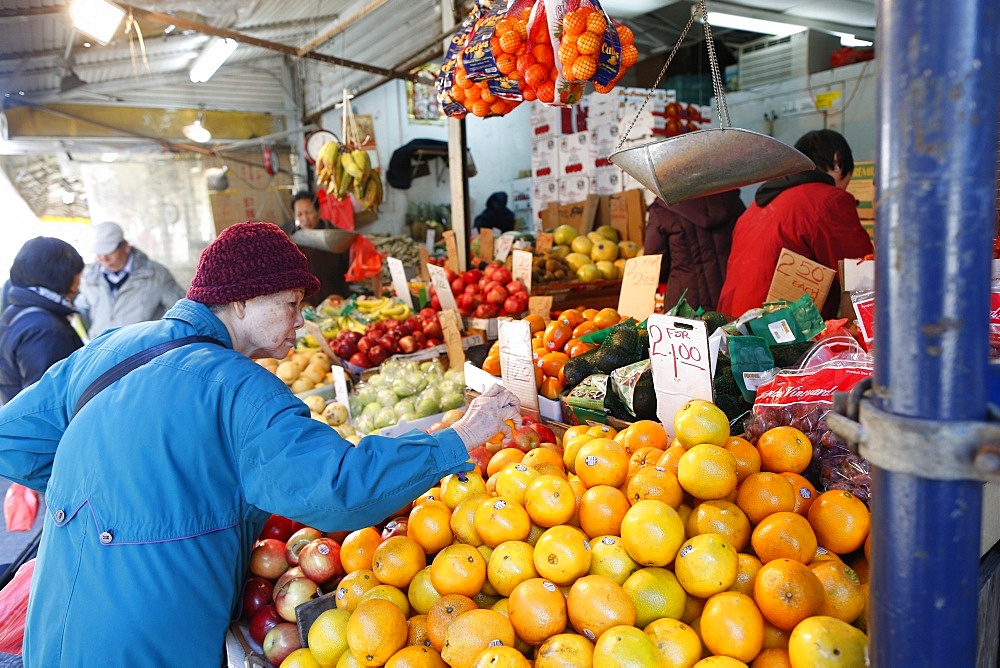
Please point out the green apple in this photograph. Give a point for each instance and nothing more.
(582, 245)
(588, 272)
(563, 234)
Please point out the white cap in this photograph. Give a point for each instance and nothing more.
(107, 237)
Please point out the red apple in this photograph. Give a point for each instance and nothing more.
(525, 439)
(432, 329)
(320, 560)
(496, 294)
(407, 344)
(292, 594)
(268, 559)
(515, 304)
(435, 303)
(359, 359)
(281, 641)
(431, 343)
(387, 343)
(457, 286)
(293, 572)
(427, 313)
(395, 527)
(481, 456)
(486, 310)
(256, 594)
(377, 354)
(502, 275)
(365, 343)
(299, 540)
(516, 286)
(279, 528)
(263, 621)
(545, 435)
(472, 276)
(344, 349)
(419, 338)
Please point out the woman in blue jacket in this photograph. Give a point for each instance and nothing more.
(157, 488)
(35, 331)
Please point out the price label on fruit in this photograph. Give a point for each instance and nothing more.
(517, 368)
(520, 268)
(486, 243)
(638, 292)
(451, 248)
(681, 363)
(439, 279)
(399, 282)
(504, 244)
(796, 275)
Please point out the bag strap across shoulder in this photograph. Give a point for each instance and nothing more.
(129, 364)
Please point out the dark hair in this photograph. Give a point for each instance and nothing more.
(305, 194)
(828, 149)
(48, 263)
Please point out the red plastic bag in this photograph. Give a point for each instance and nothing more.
(366, 261)
(20, 507)
(337, 211)
(14, 609)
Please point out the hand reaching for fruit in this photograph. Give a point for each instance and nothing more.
(487, 416)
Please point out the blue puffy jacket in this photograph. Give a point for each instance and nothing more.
(158, 488)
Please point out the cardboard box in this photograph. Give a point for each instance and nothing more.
(574, 188)
(545, 157)
(576, 155)
(478, 380)
(606, 181)
(627, 214)
(252, 194)
(543, 192)
(862, 186)
(579, 215)
(545, 121)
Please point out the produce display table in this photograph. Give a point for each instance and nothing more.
(592, 294)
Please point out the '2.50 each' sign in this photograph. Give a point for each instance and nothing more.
(680, 358)
(796, 275)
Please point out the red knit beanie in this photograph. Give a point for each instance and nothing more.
(250, 260)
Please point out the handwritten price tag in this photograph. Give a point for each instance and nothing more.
(544, 243)
(439, 279)
(504, 244)
(399, 282)
(486, 243)
(430, 240)
(340, 386)
(796, 275)
(520, 268)
(541, 306)
(425, 259)
(680, 359)
(451, 329)
(517, 367)
(451, 248)
(638, 293)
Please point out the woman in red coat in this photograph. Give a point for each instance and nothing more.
(810, 213)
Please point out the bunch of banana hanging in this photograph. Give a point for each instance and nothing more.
(342, 170)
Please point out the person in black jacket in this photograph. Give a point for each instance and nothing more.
(35, 331)
(496, 214)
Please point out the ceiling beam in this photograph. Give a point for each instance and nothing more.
(340, 27)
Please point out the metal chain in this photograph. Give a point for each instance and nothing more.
(656, 83)
(720, 92)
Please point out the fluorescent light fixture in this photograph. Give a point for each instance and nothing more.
(627, 9)
(97, 18)
(196, 131)
(752, 25)
(847, 39)
(211, 59)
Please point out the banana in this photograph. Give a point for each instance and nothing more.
(371, 304)
(395, 311)
(362, 160)
(371, 199)
(351, 166)
(344, 182)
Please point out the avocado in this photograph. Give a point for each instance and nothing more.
(578, 368)
(644, 397)
(713, 320)
(608, 358)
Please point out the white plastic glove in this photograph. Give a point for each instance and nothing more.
(485, 417)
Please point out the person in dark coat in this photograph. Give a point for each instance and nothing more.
(809, 213)
(694, 238)
(496, 214)
(35, 331)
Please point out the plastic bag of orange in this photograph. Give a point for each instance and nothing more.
(20, 507)
(541, 70)
(14, 608)
(366, 261)
(445, 82)
(491, 54)
(594, 47)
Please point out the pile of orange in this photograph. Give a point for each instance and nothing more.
(626, 546)
(584, 33)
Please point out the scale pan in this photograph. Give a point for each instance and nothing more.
(708, 161)
(335, 241)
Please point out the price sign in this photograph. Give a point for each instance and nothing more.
(544, 243)
(486, 243)
(452, 332)
(541, 306)
(439, 279)
(680, 359)
(796, 275)
(451, 248)
(340, 386)
(638, 293)
(517, 367)
(520, 268)
(399, 282)
(504, 244)
(425, 259)
(430, 239)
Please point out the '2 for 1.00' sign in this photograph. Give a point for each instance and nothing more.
(679, 348)
(681, 364)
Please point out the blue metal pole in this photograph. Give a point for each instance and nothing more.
(938, 74)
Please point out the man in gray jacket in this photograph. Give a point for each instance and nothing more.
(124, 285)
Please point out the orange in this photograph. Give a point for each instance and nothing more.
(416, 656)
(574, 431)
(565, 650)
(784, 535)
(721, 517)
(536, 323)
(572, 317)
(610, 559)
(549, 500)
(596, 603)
(458, 569)
(537, 610)
(499, 519)
(823, 554)
(641, 434)
(772, 658)
(602, 509)
(388, 593)
(473, 632)
(746, 573)
(352, 587)
(699, 421)
(357, 549)
(731, 625)
(841, 521)
(805, 493)
(556, 333)
(327, 636)
(416, 630)
(625, 646)
(826, 642)
(396, 560)
(501, 656)
(462, 521)
(444, 611)
(774, 638)
(787, 591)
(719, 661)
(606, 317)
(513, 479)
(511, 563)
(584, 328)
(602, 431)
(562, 554)
(421, 593)
(588, 313)
(844, 596)
(552, 362)
(862, 568)
(747, 456)
(491, 365)
(571, 446)
(764, 493)
(300, 658)
(655, 593)
(706, 565)
(502, 458)
(376, 631)
(429, 525)
(541, 456)
(784, 448)
(601, 462)
(671, 457)
(456, 487)
(433, 494)
(652, 532)
(643, 457)
(707, 471)
(655, 482)
(678, 643)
